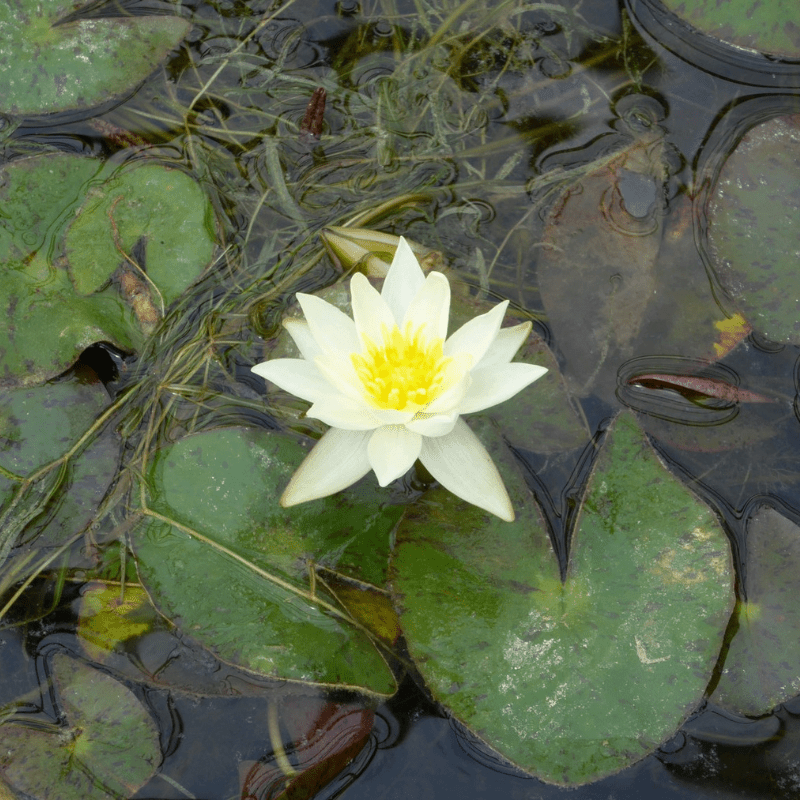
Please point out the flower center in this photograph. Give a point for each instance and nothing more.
(406, 370)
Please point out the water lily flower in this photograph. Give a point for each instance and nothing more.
(393, 386)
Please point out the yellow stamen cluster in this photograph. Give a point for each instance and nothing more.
(406, 370)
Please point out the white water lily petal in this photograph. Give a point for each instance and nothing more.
(433, 424)
(430, 307)
(389, 416)
(332, 329)
(392, 450)
(497, 383)
(404, 280)
(370, 312)
(457, 381)
(477, 335)
(461, 464)
(505, 345)
(301, 335)
(341, 375)
(339, 411)
(337, 461)
(295, 375)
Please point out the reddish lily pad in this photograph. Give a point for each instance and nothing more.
(597, 264)
(323, 738)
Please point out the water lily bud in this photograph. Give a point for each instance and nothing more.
(372, 251)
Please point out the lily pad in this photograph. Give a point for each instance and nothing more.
(570, 681)
(109, 617)
(37, 193)
(543, 417)
(763, 26)
(164, 208)
(37, 426)
(47, 324)
(598, 261)
(108, 749)
(753, 230)
(146, 211)
(66, 62)
(227, 564)
(640, 267)
(762, 667)
(323, 739)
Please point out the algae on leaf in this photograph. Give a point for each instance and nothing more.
(47, 324)
(55, 309)
(579, 680)
(54, 60)
(40, 425)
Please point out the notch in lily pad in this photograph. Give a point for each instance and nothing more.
(146, 209)
(135, 241)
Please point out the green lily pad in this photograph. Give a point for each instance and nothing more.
(753, 230)
(762, 667)
(165, 208)
(576, 681)
(109, 749)
(37, 426)
(234, 569)
(47, 324)
(37, 194)
(61, 64)
(146, 211)
(764, 26)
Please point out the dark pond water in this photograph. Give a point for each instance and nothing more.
(455, 124)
